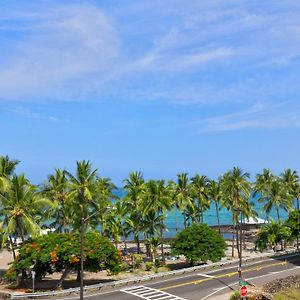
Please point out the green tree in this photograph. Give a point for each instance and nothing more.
(153, 243)
(215, 194)
(271, 234)
(183, 196)
(7, 168)
(135, 187)
(56, 189)
(61, 253)
(263, 182)
(276, 198)
(293, 222)
(236, 191)
(199, 191)
(158, 199)
(119, 224)
(102, 206)
(199, 243)
(22, 209)
(82, 190)
(290, 179)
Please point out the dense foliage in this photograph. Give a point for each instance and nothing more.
(270, 235)
(64, 200)
(199, 243)
(61, 252)
(293, 222)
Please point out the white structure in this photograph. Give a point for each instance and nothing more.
(255, 221)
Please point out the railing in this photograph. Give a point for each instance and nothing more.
(140, 279)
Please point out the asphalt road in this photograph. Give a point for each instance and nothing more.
(200, 286)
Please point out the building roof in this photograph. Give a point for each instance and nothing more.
(253, 221)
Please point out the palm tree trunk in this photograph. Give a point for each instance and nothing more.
(20, 229)
(83, 216)
(137, 239)
(162, 243)
(237, 239)
(218, 217)
(277, 211)
(176, 222)
(233, 227)
(125, 246)
(244, 236)
(185, 220)
(232, 244)
(12, 247)
(298, 207)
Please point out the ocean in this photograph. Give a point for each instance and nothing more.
(174, 220)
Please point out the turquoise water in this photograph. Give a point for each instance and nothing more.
(174, 218)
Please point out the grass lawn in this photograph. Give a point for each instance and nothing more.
(289, 294)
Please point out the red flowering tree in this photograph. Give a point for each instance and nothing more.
(61, 253)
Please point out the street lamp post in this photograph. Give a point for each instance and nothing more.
(81, 248)
(240, 243)
(241, 246)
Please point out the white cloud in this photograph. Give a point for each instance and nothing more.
(198, 52)
(22, 111)
(260, 115)
(62, 45)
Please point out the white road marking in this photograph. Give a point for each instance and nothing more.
(234, 283)
(145, 292)
(206, 275)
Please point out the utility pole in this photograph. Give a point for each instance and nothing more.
(81, 246)
(241, 245)
(84, 219)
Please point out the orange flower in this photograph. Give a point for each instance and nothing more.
(54, 257)
(74, 259)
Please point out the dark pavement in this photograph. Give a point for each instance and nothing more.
(201, 285)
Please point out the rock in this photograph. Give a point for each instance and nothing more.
(278, 285)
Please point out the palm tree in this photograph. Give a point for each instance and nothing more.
(291, 180)
(293, 222)
(56, 189)
(22, 209)
(236, 190)
(7, 168)
(263, 184)
(102, 206)
(276, 198)
(183, 197)
(215, 195)
(153, 243)
(263, 181)
(199, 190)
(82, 188)
(158, 199)
(272, 234)
(135, 186)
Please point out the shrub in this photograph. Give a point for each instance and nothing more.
(60, 252)
(199, 243)
(235, 295)
(148, 265)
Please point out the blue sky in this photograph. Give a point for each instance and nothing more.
(157, 86)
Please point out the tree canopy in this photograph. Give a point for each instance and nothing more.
(60, 252)
(199, 243)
